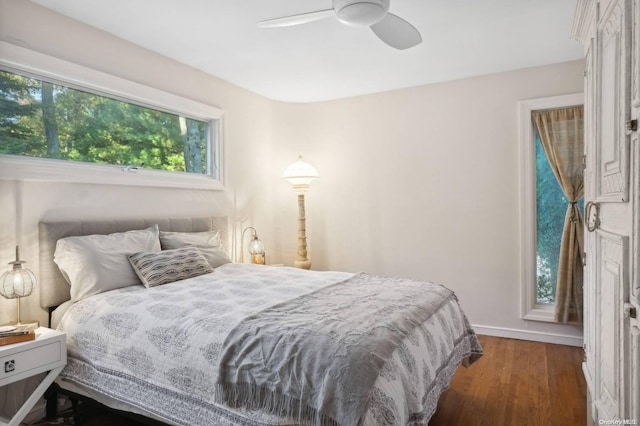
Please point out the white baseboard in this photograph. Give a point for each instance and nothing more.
(536, 336)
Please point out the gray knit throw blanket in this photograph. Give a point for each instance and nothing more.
(315, 358)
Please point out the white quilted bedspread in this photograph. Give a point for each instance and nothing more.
(157, 349)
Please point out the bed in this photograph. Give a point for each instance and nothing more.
(240, 344)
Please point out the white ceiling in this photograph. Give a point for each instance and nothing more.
(327, 60)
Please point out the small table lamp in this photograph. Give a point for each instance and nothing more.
(256, 247)
(18, 282)
(300, 175)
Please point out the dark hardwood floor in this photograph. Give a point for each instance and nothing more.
(516, 382)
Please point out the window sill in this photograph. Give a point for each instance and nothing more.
(545, 313)
(42, 169)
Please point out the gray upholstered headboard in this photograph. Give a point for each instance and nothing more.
(54, 290)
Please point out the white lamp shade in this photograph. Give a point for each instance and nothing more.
(17, 283)
(256, 246)
(300, 174)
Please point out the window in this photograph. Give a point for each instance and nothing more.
(543, 209)
(61, 121)
(551, 208)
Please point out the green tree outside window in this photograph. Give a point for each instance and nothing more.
(551, 207)
(41, 119)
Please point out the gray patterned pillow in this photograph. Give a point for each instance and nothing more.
(161, 267)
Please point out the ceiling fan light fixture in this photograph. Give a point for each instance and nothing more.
(391, 29)
(362, 14)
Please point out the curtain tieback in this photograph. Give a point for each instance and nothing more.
(573, 215)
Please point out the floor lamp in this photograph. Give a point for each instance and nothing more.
(300, 175)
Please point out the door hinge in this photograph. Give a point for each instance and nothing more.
(631, 126)
(584, 161)
(630, 310)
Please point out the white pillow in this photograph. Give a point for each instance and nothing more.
(208, 242)
(94, 264)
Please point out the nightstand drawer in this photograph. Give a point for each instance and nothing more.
(31, 360)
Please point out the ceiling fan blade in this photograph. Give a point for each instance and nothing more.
(302, 18)
(396, 32)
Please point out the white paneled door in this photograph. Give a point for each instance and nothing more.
(611, 216)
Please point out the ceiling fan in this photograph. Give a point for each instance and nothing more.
(391, 29)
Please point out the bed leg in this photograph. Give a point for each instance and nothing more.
(75, 410)
(51, 396)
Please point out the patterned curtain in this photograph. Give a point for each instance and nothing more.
(561, 134)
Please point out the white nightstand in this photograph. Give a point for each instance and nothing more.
(48, 352)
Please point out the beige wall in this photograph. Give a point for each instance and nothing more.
(420, 183)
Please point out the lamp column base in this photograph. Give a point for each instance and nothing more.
(302, 261)
(302, 264)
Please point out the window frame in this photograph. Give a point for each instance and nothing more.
(530, 308)
(58, 71)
